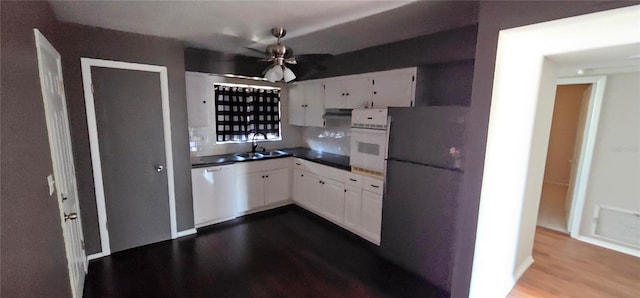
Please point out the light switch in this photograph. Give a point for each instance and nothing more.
(51, 184)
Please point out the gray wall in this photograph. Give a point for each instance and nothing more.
(493, 17)
(34, 262)
(442, 47)
(76, 41)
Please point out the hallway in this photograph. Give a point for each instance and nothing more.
(566, 267)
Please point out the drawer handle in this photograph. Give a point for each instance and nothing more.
(375, 186)
(298, 164)
(214, 170)
(354, 180)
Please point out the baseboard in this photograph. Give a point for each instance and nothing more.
(522, 268)
(95, 256)
(611, 246)
(186, 233)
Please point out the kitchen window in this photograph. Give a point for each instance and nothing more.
(242, 111)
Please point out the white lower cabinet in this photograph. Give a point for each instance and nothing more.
(262, 188)
(352, 208)
(276, 186)
(344, 198)
(371, 216)
(333, 197)
(213, 194)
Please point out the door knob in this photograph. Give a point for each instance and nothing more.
(159, 168)
(70, 216)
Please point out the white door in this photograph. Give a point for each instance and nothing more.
(62, 157)
(250, 191)
(214, 194)
(298, 190)
(577, 148)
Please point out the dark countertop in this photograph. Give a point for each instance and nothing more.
(328, 159)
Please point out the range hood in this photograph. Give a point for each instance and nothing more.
(336, 114)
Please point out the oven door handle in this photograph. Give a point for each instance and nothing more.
(367, 130)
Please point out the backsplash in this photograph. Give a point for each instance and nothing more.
(334, 138)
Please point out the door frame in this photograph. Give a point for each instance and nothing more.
(518, 135)
(87, 83)
(583, 166)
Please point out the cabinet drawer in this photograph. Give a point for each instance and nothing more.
(354, 180)
(373, 185)
(298, 164)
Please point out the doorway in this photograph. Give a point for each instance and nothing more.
(518, 132)
(567, 125)
(128, 112)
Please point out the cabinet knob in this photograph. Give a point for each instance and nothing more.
(301, 175)
(375, 92)
(345, 190)
(347, 94)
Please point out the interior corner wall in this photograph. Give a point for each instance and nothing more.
(77, 41)
(493, 17)
(34, 262)
(615, 172)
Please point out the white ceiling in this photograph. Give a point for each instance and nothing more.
(229, 26)
(618, 59)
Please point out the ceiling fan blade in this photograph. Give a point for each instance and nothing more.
(314, 57)
(256, 51)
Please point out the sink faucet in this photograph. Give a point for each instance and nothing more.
(254, 144)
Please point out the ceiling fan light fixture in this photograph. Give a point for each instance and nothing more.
(274, 74)
(288, 74)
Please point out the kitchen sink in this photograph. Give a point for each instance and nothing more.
(273, 153)
(250, 155)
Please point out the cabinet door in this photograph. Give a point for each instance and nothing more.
(250, 191)
(371, 216)
(199, 99)
(296, 104)
(357, 92)
(314, 104)
(334, 95)
(276, 186)
(298, 186)
(313, 192)
(393, 90)
(352, 208)
(333, 205)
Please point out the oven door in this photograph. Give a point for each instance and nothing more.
(368, 149)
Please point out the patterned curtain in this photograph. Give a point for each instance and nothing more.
(241, 112)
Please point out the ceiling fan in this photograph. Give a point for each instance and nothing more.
(280, 55)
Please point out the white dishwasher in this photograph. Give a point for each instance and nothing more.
(214, 190)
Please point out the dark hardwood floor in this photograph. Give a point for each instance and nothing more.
(286, 252)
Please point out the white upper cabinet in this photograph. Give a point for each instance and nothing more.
(306, 104)
(353, 92)
(395, 88)
(200, 99)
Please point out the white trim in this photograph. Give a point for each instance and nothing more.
(520, 118)
(522, 268)
(95, 256)
(598, 84)
(188, 232)
(609, 245)
(87, 63)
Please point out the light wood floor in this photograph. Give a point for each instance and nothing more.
(566, 267)
(552, 214)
